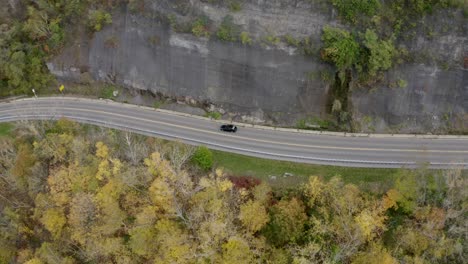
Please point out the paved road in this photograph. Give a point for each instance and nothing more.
(309, 148)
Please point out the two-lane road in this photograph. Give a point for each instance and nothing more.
(388, 152)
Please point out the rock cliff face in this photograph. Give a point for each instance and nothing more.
(273, 82)
(432, 101)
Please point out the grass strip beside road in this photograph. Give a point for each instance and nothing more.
(5, 129)
(289, 174)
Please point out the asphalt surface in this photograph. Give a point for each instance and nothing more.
(381, 152)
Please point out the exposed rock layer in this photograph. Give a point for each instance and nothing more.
(272, 83)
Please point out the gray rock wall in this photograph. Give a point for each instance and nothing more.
(141, 53)
(271, 82)
(434, 100)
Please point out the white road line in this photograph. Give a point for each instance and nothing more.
(242, 149)
(245, 138)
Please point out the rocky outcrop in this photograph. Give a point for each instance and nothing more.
(272, 83)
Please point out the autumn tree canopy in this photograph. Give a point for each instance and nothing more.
(77, 194)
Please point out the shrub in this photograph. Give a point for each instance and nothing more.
(111, 42)
(214, 115)
(244, 182)
(172, 19)
(154, 40)
(307, 47)
(136, 5)
(203, 158)
(273, 40)
(402, 83)
(97, 19)
(200, 27)
(336, 107)
(235, 6)
(352, 9)
(158, 104)
(228, 31)
(245, 38)
(326, 76)
(107, 92)
(291, 41)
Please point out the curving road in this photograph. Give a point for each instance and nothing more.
(375, 151)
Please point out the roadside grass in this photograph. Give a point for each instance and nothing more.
(107, 91)
(99, 90)
(158, 104)
(72, 89)
(6, 129)
(264, 169)
(214, 115)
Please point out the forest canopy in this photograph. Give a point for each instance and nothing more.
(72, 193)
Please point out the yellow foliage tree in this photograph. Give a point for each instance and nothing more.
(253, 216)
(162, 196)
(142, 241)
(54, 220)
(375, 253)
(369, 222)
(61, 183)
(102, 151)
(237, 251)
(174, 244)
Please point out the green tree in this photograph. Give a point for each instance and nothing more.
(54, 147)
(24, 68)
(340, 47)
(22, 168)
(287, 222)
(380, 53)
(40, 27)
(16, 68)
(37, 25)
(203, 157)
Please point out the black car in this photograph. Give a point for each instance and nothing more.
(228, 128)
